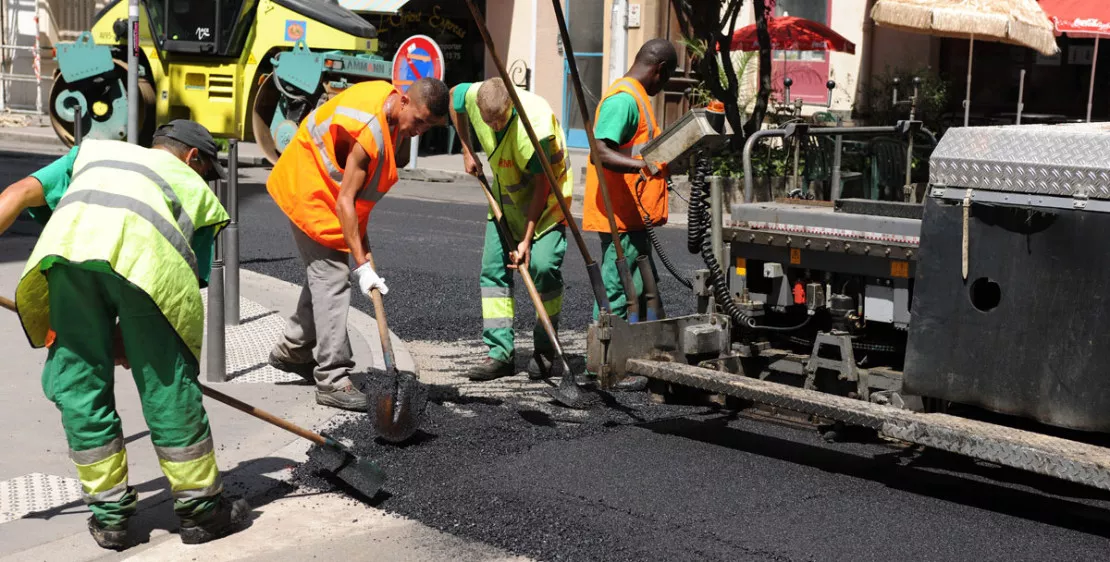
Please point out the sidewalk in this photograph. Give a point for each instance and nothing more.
(42, 516)
(440, 168)
(43, 136)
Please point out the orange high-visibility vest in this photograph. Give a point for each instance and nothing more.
(629, 197)
(305, 181)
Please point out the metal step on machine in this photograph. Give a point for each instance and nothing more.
(897, 315)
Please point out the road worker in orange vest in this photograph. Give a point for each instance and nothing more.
(338, 166)
(624, 122)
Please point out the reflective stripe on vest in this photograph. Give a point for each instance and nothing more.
(319, 130)
(184, 221)
(133, 218)
(631, 149)
(512, 185)
(306, 180)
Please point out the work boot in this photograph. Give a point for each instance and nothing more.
(303, 370)
(224, 519)
(490, 369)
(542, 366)
(347, 398)
(111, 537)
(632, 383)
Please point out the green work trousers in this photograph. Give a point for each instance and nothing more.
(635, 244)
(79, 379)
(497, 289)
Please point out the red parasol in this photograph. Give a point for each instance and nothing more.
(1081, 18)
(789, 33)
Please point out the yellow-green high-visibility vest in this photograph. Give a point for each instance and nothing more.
(513, 185)
(135, 210)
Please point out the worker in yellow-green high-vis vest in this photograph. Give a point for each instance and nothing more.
(531, 210)
(115, 279)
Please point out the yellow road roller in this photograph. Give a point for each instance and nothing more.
(247, 69)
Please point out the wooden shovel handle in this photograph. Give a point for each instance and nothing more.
(262, 415)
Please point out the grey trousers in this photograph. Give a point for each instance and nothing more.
(319, 326)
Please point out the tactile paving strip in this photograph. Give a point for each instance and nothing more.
(35, 493)
(249, 344)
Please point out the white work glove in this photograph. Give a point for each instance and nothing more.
(367, 279)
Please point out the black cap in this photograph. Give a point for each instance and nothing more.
(193, 134)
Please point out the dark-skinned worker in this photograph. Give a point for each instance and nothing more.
(625, 121)
(126, 246)
(338, 166)
(530, 209)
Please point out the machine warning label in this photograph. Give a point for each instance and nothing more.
(795, 256)
(295, 30)
(900, 269)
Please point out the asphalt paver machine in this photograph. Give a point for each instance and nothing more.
(247, 69)
(949, 319)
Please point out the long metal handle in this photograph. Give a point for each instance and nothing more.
(537, 300)
(263, 415)
(631, 298)
(383, 326)
(591, 266)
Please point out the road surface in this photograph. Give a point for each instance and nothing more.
(498, 463)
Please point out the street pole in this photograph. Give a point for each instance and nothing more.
(217, 346)
(231, 302)
(414, 144)
(1021, 97)
(133, 72)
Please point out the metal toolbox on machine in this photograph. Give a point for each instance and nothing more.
(1025, 212)
(699, 129)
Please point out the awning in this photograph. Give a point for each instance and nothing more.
(375, 6)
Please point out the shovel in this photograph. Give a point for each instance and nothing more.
(361, 474)
(398, 406)
(568, 393)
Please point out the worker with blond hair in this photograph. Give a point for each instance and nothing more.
(531, 211)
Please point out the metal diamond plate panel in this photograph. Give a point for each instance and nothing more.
(1061, 160)
(36, 492)
(249, 344)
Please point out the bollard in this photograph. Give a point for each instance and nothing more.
(217, 345)
(133, 49)
(78, 126)
(231, 272)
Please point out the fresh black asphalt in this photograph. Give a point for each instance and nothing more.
(642, 481)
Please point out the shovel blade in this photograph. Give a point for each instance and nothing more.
(569, 394)
(399, 408)
(362, 475)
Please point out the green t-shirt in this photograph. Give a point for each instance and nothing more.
(617, 119)
(55, 179)
(459, 101)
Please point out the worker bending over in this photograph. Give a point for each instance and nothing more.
(531, 211)
(338, 166)
(127, 245)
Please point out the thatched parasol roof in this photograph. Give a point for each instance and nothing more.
(1018, 22)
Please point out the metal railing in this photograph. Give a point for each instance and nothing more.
(9, 76)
